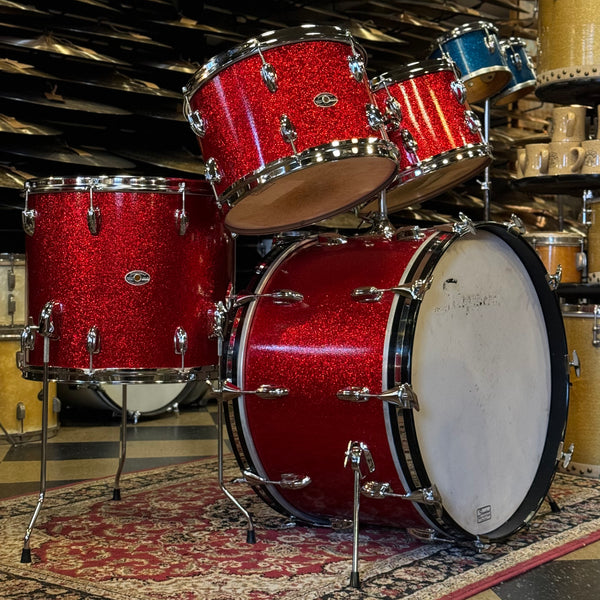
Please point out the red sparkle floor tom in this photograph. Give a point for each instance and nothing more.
(129, 270)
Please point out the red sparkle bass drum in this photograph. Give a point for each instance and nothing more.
(288, 128)
(127, 270)
(437, 134)
(441, 352)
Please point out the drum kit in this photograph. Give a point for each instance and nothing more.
(431, 363)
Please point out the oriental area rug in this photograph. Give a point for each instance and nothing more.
(175, 536)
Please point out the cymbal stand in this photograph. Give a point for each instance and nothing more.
(381, 223)
(122, 445)
(486, 183)
(46, 330)
(222, 314)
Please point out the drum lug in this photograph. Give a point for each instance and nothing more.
(194, 118)
(516, 225)
(331, 239)
(464, 226)
(490, 41)
(472, 121)
(596, 327)
(565, 457)
(409, 142)
(393, 111)
(182, 220)
(429, 495)
(403, 396)
(516, 60)
(288, 131)
(265, 391)
(93, 214)
(414, 290)
(93, 343)
(554, 280)
(219, 320)
(575, 361)
(374, 116)
(49, 325)
(355, 61)
(285, 297)
(459, 90)
(288, 481)
(212, 174)
(268, 74)
(28, 218)
(409, 233)
(180, 340)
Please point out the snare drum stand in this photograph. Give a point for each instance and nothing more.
(122, 445)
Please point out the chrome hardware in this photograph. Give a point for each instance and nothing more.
(28, 216)
(341, 524)
(265, 391)
(288, 481)
(402, 396)
(516, 60)
(414, 290)
(565, 457)
(331, 239)
(554, 280)
(409, 142)
(93, 343)
(212, 174)
(516, 224)
(268, 74)
(194, 118)
(11, 278)
(459, 90)
(581, 261)
(596, 327)
(288, 131)
(180, 341)
(472, 121)
(93, 213)
(490, 41)
(219, 320)
(409, 233)
(355, 61)
(285, 297)
(586, 212)
(464, 226)
(354, 454)
(182, 220)
(377, 490)
(28, 337)
(374, 116)
(575, 361)
(11, 305)
(428, 535)
(393, 111)
(48, 326)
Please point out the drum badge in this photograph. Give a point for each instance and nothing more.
(137, 278)
(325, 99)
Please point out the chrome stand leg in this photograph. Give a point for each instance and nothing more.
(123, 445)
(26, 552)
(554, 507)
(8, 436)
(486, 185)
(354, 576)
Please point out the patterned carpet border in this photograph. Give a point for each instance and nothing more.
(174, 536)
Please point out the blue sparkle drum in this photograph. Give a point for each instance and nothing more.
(518, 61)
(475, 49)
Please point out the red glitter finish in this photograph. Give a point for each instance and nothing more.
(243, 117)
(431, 112)
(314, 349)
(85, 273)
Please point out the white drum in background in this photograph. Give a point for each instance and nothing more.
(143, 400)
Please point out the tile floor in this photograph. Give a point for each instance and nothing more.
(87, 446)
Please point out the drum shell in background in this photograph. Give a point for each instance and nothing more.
(330, 342)
(482, 69)
(272, 190)
(450, 147)
(568, 72)
(12, 265)
(560, 248)
(92, 277)
(583, 423)
(593, 242)
(15, 390)
(523, 79)
(143, 400)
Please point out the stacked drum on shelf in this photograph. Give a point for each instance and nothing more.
(568, 75)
